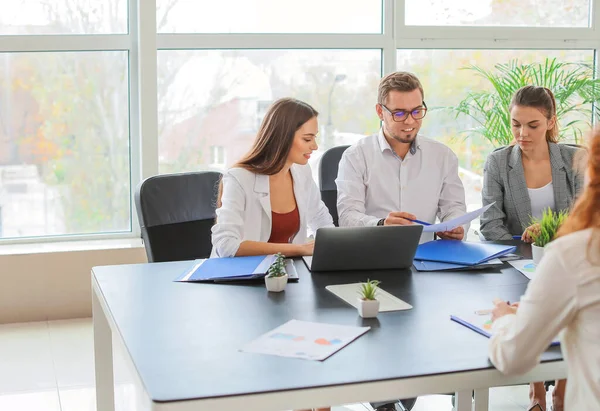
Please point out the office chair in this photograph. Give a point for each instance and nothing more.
(328, 171)
(176, 213)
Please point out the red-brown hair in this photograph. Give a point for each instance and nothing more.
(586, 211)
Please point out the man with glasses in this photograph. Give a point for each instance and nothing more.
(398, 176)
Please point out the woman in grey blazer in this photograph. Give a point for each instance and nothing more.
(527, 177)
(536, 173)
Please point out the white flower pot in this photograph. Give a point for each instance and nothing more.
(537, 253)
(276, 284)
(368, 308)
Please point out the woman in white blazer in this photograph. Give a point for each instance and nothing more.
(269, 198)
(562, 299)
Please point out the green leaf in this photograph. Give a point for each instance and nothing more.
(576, 90)
(368, 290)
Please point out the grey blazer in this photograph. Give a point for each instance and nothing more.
(504, 184)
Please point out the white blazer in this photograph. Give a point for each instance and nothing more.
(245, 213)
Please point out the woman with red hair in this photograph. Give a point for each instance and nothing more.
(563, 297)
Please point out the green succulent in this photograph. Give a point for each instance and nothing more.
(368, 290)
(548, 226)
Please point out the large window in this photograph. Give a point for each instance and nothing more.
(64, 118)
(225, 105)
(527, 13)
(63, 17)
(64, 146)
(269, 16)
(97, 95)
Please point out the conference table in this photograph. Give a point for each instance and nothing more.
(183, 340)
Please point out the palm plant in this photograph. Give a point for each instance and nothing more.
(573, 84)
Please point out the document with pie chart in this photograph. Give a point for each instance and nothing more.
(305, 340)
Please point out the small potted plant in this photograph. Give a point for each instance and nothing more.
(368, 304)
(548, 225)
(277, 278)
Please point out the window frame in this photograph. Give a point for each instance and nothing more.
(142, 42)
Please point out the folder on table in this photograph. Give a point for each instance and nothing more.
(461, 252)
(422, 265)
(228, 269)
(481, 324)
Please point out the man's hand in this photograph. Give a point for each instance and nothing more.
(399, 218)
(457, 234)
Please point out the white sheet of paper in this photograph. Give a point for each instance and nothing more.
(456, 222)
(526, 267)
(305, 340)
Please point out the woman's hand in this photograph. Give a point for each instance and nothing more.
(502, 308)
(306, 248)
(527, 234)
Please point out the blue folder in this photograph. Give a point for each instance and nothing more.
(482, 331)
(422, 265)
(227, 269)
(461, 252)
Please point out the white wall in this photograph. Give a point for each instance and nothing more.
(54, 285)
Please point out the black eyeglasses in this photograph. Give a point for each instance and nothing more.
(401, 115)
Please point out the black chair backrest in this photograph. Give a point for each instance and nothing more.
(328, 171)
(176, 213)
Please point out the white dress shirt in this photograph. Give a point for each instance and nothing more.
(563, 295)
(245, 213)
(374, 181)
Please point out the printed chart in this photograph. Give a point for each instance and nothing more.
(306, 340)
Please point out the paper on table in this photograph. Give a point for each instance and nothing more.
(526, 267)
(305, 340)
(455, 222)
(350, 294)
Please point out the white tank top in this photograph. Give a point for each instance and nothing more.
(541, 199)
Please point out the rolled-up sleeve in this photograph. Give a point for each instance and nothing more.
(548, 305)
(228, 232)
(351, 188)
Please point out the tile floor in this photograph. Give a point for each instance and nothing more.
(49, 366)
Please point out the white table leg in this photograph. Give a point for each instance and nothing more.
(482, 399)
(103, 358)
(463, 401)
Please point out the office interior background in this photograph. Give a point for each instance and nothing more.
(96, 95)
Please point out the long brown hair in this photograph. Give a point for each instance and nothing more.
(541, 98)
(276, 136)
(586, 211)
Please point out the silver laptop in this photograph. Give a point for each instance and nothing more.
(364, 248)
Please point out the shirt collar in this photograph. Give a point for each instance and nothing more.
(384, 145)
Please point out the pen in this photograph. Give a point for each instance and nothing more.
(417, 221)
(516, 237)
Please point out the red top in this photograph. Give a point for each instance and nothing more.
(285, 226)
